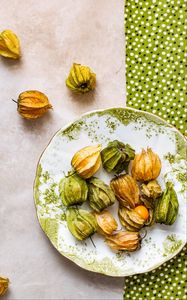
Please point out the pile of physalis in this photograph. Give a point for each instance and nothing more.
(141, 199)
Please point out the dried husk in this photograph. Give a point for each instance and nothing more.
(151, 220)
(9, 44)
(33, 104)
(4, 283)
(130, 219)
(126, 190)
(152, 189)
(106, 222)
(149, 203)
(124, 241)
(87, 161)
(146, 166)
(81, 79)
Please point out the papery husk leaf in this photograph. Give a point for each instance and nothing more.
(87, 161)
(106, 222)
(146, 166)
(126, 190)
(81, 79)
(124, 241)
(81, 223)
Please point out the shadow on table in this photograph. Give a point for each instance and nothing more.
(38, 124)
(11, 63)
(83, 99)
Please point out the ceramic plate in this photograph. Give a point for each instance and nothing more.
(139, 129)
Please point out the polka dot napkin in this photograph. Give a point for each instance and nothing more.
(155, 58)
(167, 282)
(155, 80)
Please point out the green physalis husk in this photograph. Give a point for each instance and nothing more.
(100, 195)
(167, 206)
(81, 79)
(81, 223)
(150, 205)
(151, 220)
(116, 156)
(73, 190)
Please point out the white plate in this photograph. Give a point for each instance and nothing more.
(139, 129)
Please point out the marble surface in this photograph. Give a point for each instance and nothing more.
(53, 35)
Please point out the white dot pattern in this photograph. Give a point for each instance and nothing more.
(155, 80)
(155, 58)
(166, 282)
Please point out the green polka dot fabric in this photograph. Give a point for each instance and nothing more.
(167, 282)
(155, 58)
(155, 82)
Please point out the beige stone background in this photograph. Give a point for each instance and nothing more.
(53, 35)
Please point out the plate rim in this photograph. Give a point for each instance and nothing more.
(76, 260)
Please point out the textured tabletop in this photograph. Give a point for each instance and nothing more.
(53, 35)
